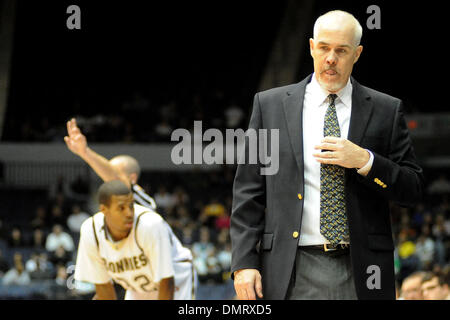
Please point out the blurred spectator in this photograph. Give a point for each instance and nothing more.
(4, 265)
(224, 256)
(223, 222)
(213, 210)
(234, 116)
(163, 130)
(411, 287)
(17, 275)
(181, 198)
(38, 267)
(409, 262)
(187, 236)
(439, 186)
(435, 286)
(59, 238)
(164, 199)
(57, 215)
(204, 246)
(214, 268)
(76, 219)
(16, 239)
(60, 256)
(418, 216)
(202, 250)
(182, 215)
(425, 248)
(441, 227)
(39, 220)
(60, 291)
(441, 235)
(38, 239)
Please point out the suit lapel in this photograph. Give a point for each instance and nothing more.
(293, 111)
(361, 111)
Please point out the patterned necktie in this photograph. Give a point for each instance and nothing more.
(333, 220)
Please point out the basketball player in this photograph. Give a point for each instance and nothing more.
(126, 169)
(131, 245)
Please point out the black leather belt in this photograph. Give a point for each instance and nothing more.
(327, 247)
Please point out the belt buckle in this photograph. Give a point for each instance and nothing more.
(326, 249)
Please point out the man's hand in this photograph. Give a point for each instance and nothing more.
(76, 141)
(341, 152)
(246, 282)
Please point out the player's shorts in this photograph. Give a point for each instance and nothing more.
(185, 284)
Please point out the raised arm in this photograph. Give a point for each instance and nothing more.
(77, 143)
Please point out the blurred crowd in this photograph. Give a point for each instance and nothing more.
(128, 121)
(198, 207)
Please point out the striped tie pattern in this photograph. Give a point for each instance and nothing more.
(333, 220)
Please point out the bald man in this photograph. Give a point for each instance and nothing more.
(320, 227)
(122, 167)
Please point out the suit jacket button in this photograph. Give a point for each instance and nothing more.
(300, 196)
(295, 235)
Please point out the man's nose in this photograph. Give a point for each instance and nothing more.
(129, 213)
(331, 58)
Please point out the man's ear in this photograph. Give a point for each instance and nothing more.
(133, 178)
(359, 49)
(311, 46)
(103, 208)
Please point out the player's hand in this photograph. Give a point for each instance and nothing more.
(247, 283)
(75, 141)
(341, 152)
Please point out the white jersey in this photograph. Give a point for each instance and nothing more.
(137, 262)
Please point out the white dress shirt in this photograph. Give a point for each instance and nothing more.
(315, 105)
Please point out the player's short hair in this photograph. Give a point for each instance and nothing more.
(112, 188)
(130, 164)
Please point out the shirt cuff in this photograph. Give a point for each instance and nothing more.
(364, 171)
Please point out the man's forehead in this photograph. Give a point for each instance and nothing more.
(336, 35)
(122, 198)
(430, 282)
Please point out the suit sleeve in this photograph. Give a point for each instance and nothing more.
(247, 218)
(397, 176)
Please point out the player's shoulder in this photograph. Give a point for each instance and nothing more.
(146, 217)
(90, 227)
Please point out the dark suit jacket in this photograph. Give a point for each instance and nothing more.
(267, 210)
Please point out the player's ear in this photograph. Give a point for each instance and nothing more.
(103, 208)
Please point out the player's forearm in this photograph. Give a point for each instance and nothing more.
(166, 289)
(101, 166)
(105, 292)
